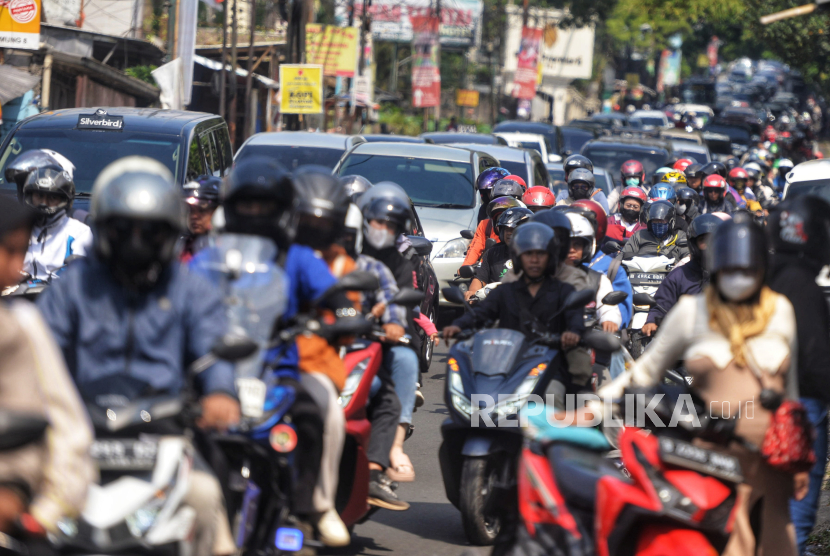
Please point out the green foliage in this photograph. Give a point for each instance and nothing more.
(143, 73)
(399, 122)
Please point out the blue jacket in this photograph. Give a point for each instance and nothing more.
(104, 330)
(620, 283)
(683, 280)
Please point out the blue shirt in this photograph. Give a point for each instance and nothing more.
(394, 314)
(621, 283)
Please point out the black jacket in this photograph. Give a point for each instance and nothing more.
(515, 309)
(796, 279)
(688, 279)
(495, 262)
(644, 244)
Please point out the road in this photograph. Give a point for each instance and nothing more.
(431, 526)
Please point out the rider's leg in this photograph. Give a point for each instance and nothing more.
(402, 363)
(213, 533)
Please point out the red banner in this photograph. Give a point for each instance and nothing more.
(527, 68)
(426, 75)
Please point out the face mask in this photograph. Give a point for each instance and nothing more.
(632, 182)
(660, 229)
(681, 209)
(737, 286)
(630, 215)
(379, 238)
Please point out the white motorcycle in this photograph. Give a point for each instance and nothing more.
(646, 274)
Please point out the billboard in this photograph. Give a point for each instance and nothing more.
(426, 75)
(20, 24)
(301, 89)
(334, 48)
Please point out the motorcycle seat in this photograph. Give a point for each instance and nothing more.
(577, 470)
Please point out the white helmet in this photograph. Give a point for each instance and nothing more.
(785, 163)
(354, 224)
(582, 228)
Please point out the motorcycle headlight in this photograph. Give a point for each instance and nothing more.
(456, 383)
(140, 521)
(352, 382)
(510, 406)
(527, 385)
(454, 249)
(462, 404)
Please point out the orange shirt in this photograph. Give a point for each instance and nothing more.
(479, 241)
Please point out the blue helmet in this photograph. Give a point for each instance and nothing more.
(663, 191)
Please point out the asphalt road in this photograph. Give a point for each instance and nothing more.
(431, 526)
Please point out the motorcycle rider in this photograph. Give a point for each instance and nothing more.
(201, 198)
(756, 183)
(496, 260)
(354, 186)
(574, 162)
(626, 223)
(785, 166)
(582, 185)
(661, 237)
(682, 164)
(694, 176)
(131, 310)
(484, 186)
(687, 204)
(486, 228)
(45, 481)
(539, 198)
(738, 180)
(632, 174)
(686, 279)
(715, 198)
(507, 187)
(45, 182)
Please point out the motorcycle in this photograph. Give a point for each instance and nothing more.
(646, 274)
(468, 273)
(30, 289)
(478, 464)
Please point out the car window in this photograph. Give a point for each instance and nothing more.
(429, 183)
(195, 162)
(540, 174)
(532, 145)
(819, 188)
(611, 158)
(212, 157)
(292, 156)
(516, 168)
(602, 183)
(223, 142)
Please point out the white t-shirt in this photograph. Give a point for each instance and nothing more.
(50, 245)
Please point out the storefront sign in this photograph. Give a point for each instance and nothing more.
(301, 87)
(20, 24)
(334, 48)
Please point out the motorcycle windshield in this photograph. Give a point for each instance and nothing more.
(495, 351)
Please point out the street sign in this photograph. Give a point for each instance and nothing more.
(20, 24)
(335, 48)
(466, 97)
(426, 77)
(301, 88)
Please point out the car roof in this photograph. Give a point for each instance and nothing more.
(649, 114)
(636, 142)
(502, 152)
(452, 137)
(377, 138)
(521, 136)
(301, 139)
(414, 150)
(809, 171)
(153, 120)
(521, 125)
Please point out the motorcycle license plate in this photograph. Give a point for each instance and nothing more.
(647, 277)
(251, 396)
(717, 464)
(129, 454)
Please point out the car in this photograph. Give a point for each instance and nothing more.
(533, 141)
(611, 152)
(720, 145)
(604, 181)
(440, 181)
(575, 137)
(611, 120)
(298, 148)
(190, 144)
(682, 135)
(740, 136)
(388, 138)
(651, 119)
(698, 153)
(449, 138)
(525, 163)
(551, 132)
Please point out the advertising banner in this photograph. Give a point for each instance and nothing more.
(669, 74)
(334, 48)
(20, 24)
(426, 76)
(466, 97)
(524, 81)
(301, 87)
(712, 51)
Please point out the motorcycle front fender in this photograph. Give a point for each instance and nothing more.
(485, 445)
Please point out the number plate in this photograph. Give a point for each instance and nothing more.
(125, 454)
(647, 277)
(709, 462)
(251, 396)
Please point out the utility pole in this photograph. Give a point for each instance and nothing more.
(234, 38)
(171, 29)
(223, 73)
(250, 79)
(525, 12)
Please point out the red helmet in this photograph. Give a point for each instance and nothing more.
(738, 174)
(632, 169)
(635, 193)
(600, 218)
(519, 179)
(682, 164)
(539, 197)
(715, 181)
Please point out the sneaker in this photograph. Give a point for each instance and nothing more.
(419, 398)
(385, 480)
(331, 530)
(381, 495)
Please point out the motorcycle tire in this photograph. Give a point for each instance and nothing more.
(478, 475)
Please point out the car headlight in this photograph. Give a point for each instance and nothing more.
(352, 382)
(454, 249)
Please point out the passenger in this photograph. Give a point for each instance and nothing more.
(660, 237)
(496, 261)
(201, 198)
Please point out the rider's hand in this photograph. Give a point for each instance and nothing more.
(569, 340)
(11, 507)
(394, 332)
(219, 411)
(649, 328)
(378, 310)
(435, 339)
(801, 485)
(610, 327)
(468, 294)
(449, 332)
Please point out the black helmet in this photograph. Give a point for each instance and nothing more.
(49, 180)
(204, 190)
(581, 176)
(322, 206)
(354, 186)
(22, 166)
(715, 167)
(737, 244)
(512, 218)
(577, 161)
(701, 225)
(731, 163)
(559, 223)
(660, 210)
(801, 226)
(507, 188)
(694, 171)
(257, 181)
(687, 197)
(534, 236)
(390, 210)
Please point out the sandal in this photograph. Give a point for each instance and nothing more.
(404, 472)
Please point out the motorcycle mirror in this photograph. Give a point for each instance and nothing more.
(408, 297)
(347, 326)
(422, 245)
(19, 429)
(611, 247)
(453, 294)
(466, 271)
(578, 299)
(644, 299)
(601, 341)
(489, 243)
(358, 280)
(467, 234)
(232, 347)
(614, 298)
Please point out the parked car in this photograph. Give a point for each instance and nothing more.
(389, 138)
(440, 180)
(611, 152)
(190, 144)
(525, 163)
(552, 133)
(298, 148)
(449, 138)
(533, 141)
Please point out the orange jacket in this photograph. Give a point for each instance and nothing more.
(484, 231)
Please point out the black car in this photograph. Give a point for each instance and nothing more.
(551, 133)
(610, 153)
(449, 138)
(575, 137)
(190, 144)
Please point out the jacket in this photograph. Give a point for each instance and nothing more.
(619, 281)
(104, 329)
(50, 245)
(598, 195)
(727, 205)
(484, 231)
(643, 244)
(495, 263)
(688, 279)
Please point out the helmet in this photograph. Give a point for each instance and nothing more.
(801, 226)
(659, 174)
(352, 235)
(682, 164)
(632, 173)
(19, 169)
(633, 193)
(660, 210)
(538, 198)
(693, 171)
(715, 167)
(136, 194)
(49, 179)
(507, 187)
(512, 218)
(738, 178)
(490, 176)
(581, 176)
(497, 206)
(581, 228)
(322, 206)
(576, 161)
(753, 171)
(354, 186)
(663, 191)
(701, 225)
(594, 212)
(673, 178)
(715, 181)
(390, 210)
(737, 244)
(534, 236)
(786, 164)
(731, 163)
(203, 191)
(517, 179)
(262, 182)
(559, 223)
(382, 190)
(686, 198)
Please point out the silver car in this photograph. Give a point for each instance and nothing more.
(298, 148)
(525, 163)
(440, 180)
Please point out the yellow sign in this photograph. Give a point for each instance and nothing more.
(465, 97)
(334, 48)
(20, 24)
(301, 89)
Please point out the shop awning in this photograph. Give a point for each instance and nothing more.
(15, 82)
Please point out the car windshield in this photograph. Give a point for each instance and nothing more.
(612, 158)
(515, 168)
(428, 182)
(575, 139)
(293, 156)
(736, 134)
(656, 122)
(819, 188)
(697, 156)
(534, 145)
(92, 151)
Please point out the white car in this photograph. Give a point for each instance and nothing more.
(530, 141)
(809, 178)
(651, 119)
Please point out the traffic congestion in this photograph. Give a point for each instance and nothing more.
(609, 337)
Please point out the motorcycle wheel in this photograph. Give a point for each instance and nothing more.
(477, 479)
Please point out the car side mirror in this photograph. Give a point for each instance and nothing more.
(644, 299)
(578, 299)
(422, 245)
(234, 347)
(466, 271)
(408, 297)
(614, 298)
(467, 234)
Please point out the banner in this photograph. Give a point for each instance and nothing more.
(527, 60)
(712, 51)
(669, 73)
(186, 43)
(466, 97)
(301, 89)
(20, 24)
(334, 48)
(426, 76)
